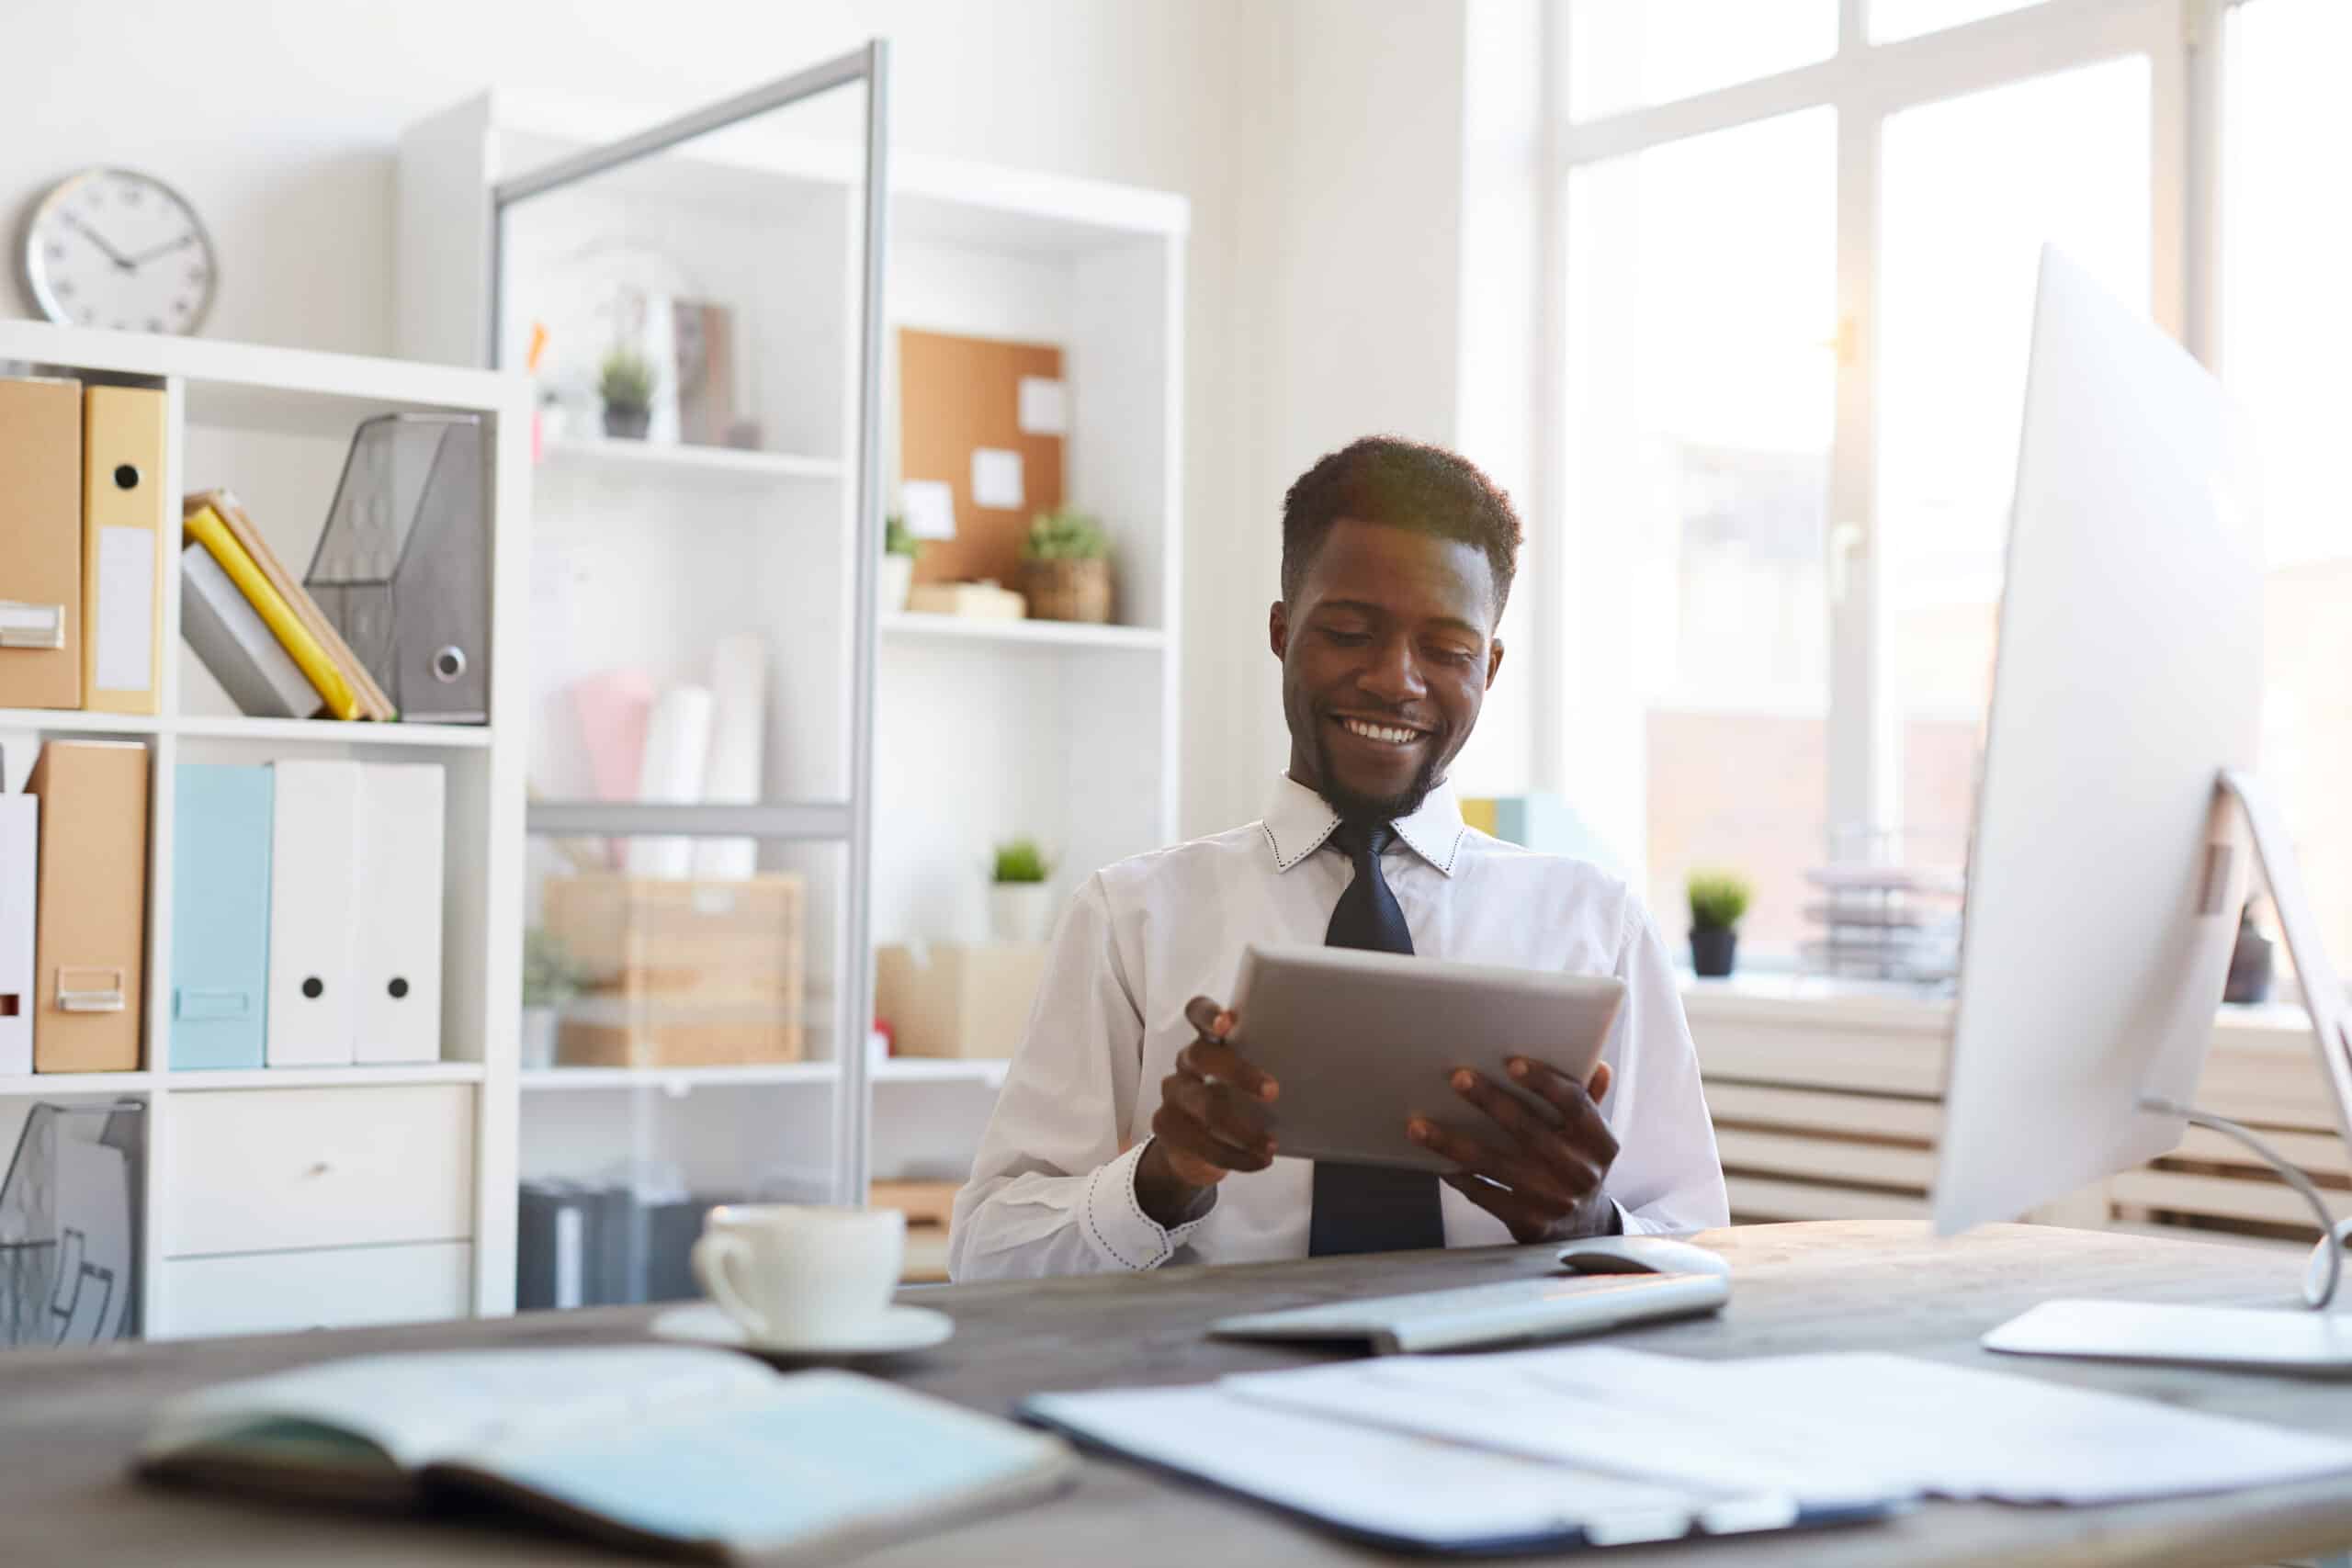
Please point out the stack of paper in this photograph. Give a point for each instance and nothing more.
(1600, 1445)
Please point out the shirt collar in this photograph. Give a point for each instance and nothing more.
(1298, 821)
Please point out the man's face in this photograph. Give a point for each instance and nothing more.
(1387, 651)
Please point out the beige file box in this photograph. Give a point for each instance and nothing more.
(125, 522)
(91, 937)
(946, 1000)
(40, 544)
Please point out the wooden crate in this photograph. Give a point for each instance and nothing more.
(682, 973)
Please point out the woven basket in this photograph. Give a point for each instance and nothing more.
(1067, 589)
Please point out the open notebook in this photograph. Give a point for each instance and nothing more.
(688, 1452)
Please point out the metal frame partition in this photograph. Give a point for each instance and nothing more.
(848, 822)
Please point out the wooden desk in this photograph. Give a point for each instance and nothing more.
(68, 1421)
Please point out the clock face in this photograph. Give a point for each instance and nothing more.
(111, 248)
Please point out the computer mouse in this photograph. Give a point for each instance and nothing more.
(1639, 1255)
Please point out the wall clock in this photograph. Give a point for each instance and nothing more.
(116, 248)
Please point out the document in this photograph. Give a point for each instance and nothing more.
(1391, 1487)
(1825, 1428)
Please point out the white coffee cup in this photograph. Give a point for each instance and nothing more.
(789, 1274)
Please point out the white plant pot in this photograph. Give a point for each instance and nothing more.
(897, 580)
(538, 1037)
(1020, 911)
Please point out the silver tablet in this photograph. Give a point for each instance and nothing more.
(1362, 1042)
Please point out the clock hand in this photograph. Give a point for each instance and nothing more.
(99, 240)
(143, 257)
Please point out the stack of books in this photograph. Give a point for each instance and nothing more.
(255, 627)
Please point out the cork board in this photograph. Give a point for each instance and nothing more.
(958, 395)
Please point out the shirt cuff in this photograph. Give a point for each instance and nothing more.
(1613, 1220)
(1116, 1226)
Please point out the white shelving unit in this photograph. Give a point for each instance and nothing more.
(254, 1241)
(646, 551)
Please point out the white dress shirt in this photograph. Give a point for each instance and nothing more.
(1053, 1190)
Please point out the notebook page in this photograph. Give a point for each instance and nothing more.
(794, 1460)
(419, 1408)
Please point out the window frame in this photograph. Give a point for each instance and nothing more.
(1586, 732)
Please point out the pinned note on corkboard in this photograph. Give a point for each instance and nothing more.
(961, 423)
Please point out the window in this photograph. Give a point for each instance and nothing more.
(2286, 353)
(1701, 396)
(1796, 271)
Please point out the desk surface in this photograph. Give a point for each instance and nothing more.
(68, 1421)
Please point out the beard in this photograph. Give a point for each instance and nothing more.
(1375, 809)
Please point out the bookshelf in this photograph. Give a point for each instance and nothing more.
(272, 425)
(979, 730)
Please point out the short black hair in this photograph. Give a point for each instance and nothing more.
(1404, 484)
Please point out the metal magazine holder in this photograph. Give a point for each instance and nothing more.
(402, 568)
(70, 1226)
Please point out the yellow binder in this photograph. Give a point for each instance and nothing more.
(205, 526)
(123, 519)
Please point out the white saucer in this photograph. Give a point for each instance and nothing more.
(897, 1329)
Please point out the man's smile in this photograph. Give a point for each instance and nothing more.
(1384, 732)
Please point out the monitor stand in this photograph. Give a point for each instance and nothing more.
(2265, 1338)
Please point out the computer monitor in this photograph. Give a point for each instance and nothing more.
(2111, 851)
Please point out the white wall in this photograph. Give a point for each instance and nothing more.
(277, 118)
(1363, 294)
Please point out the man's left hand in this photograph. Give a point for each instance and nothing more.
(1543, 1181)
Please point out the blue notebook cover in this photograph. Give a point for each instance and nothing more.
(219, 915)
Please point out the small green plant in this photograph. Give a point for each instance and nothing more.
(897, 540)
(550, 977)
(1019, 860)
(624, 381)
(1718, 899)
(1065, 535)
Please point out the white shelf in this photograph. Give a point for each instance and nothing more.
(69, 721)
(250, 386)
(76, 1086)
(1034, 634)
(940, 1069)
(647, 458)
(323, 1077)
(449, 737)
(676, 1080)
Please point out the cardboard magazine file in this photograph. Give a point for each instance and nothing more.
(40, 544)
(90, 921)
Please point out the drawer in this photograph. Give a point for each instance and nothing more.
(276, 1169)
(341, 1286)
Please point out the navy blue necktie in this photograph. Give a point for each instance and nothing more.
(1368, 1208)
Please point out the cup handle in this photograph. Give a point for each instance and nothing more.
(711, 1257)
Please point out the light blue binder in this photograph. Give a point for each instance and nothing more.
(219, 915)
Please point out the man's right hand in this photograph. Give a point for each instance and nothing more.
(1211, 1121)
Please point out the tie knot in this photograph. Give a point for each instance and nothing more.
(1363, 840)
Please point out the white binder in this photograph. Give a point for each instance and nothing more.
(312, 889)
(19, 836)
(396, 925)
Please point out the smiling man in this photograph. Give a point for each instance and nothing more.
(1128, 1134)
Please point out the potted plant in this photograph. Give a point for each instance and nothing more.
(900, 548)
(626, 383)
(1718, 899)
(549, 980)
(1021, 906)
(1065, 568)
